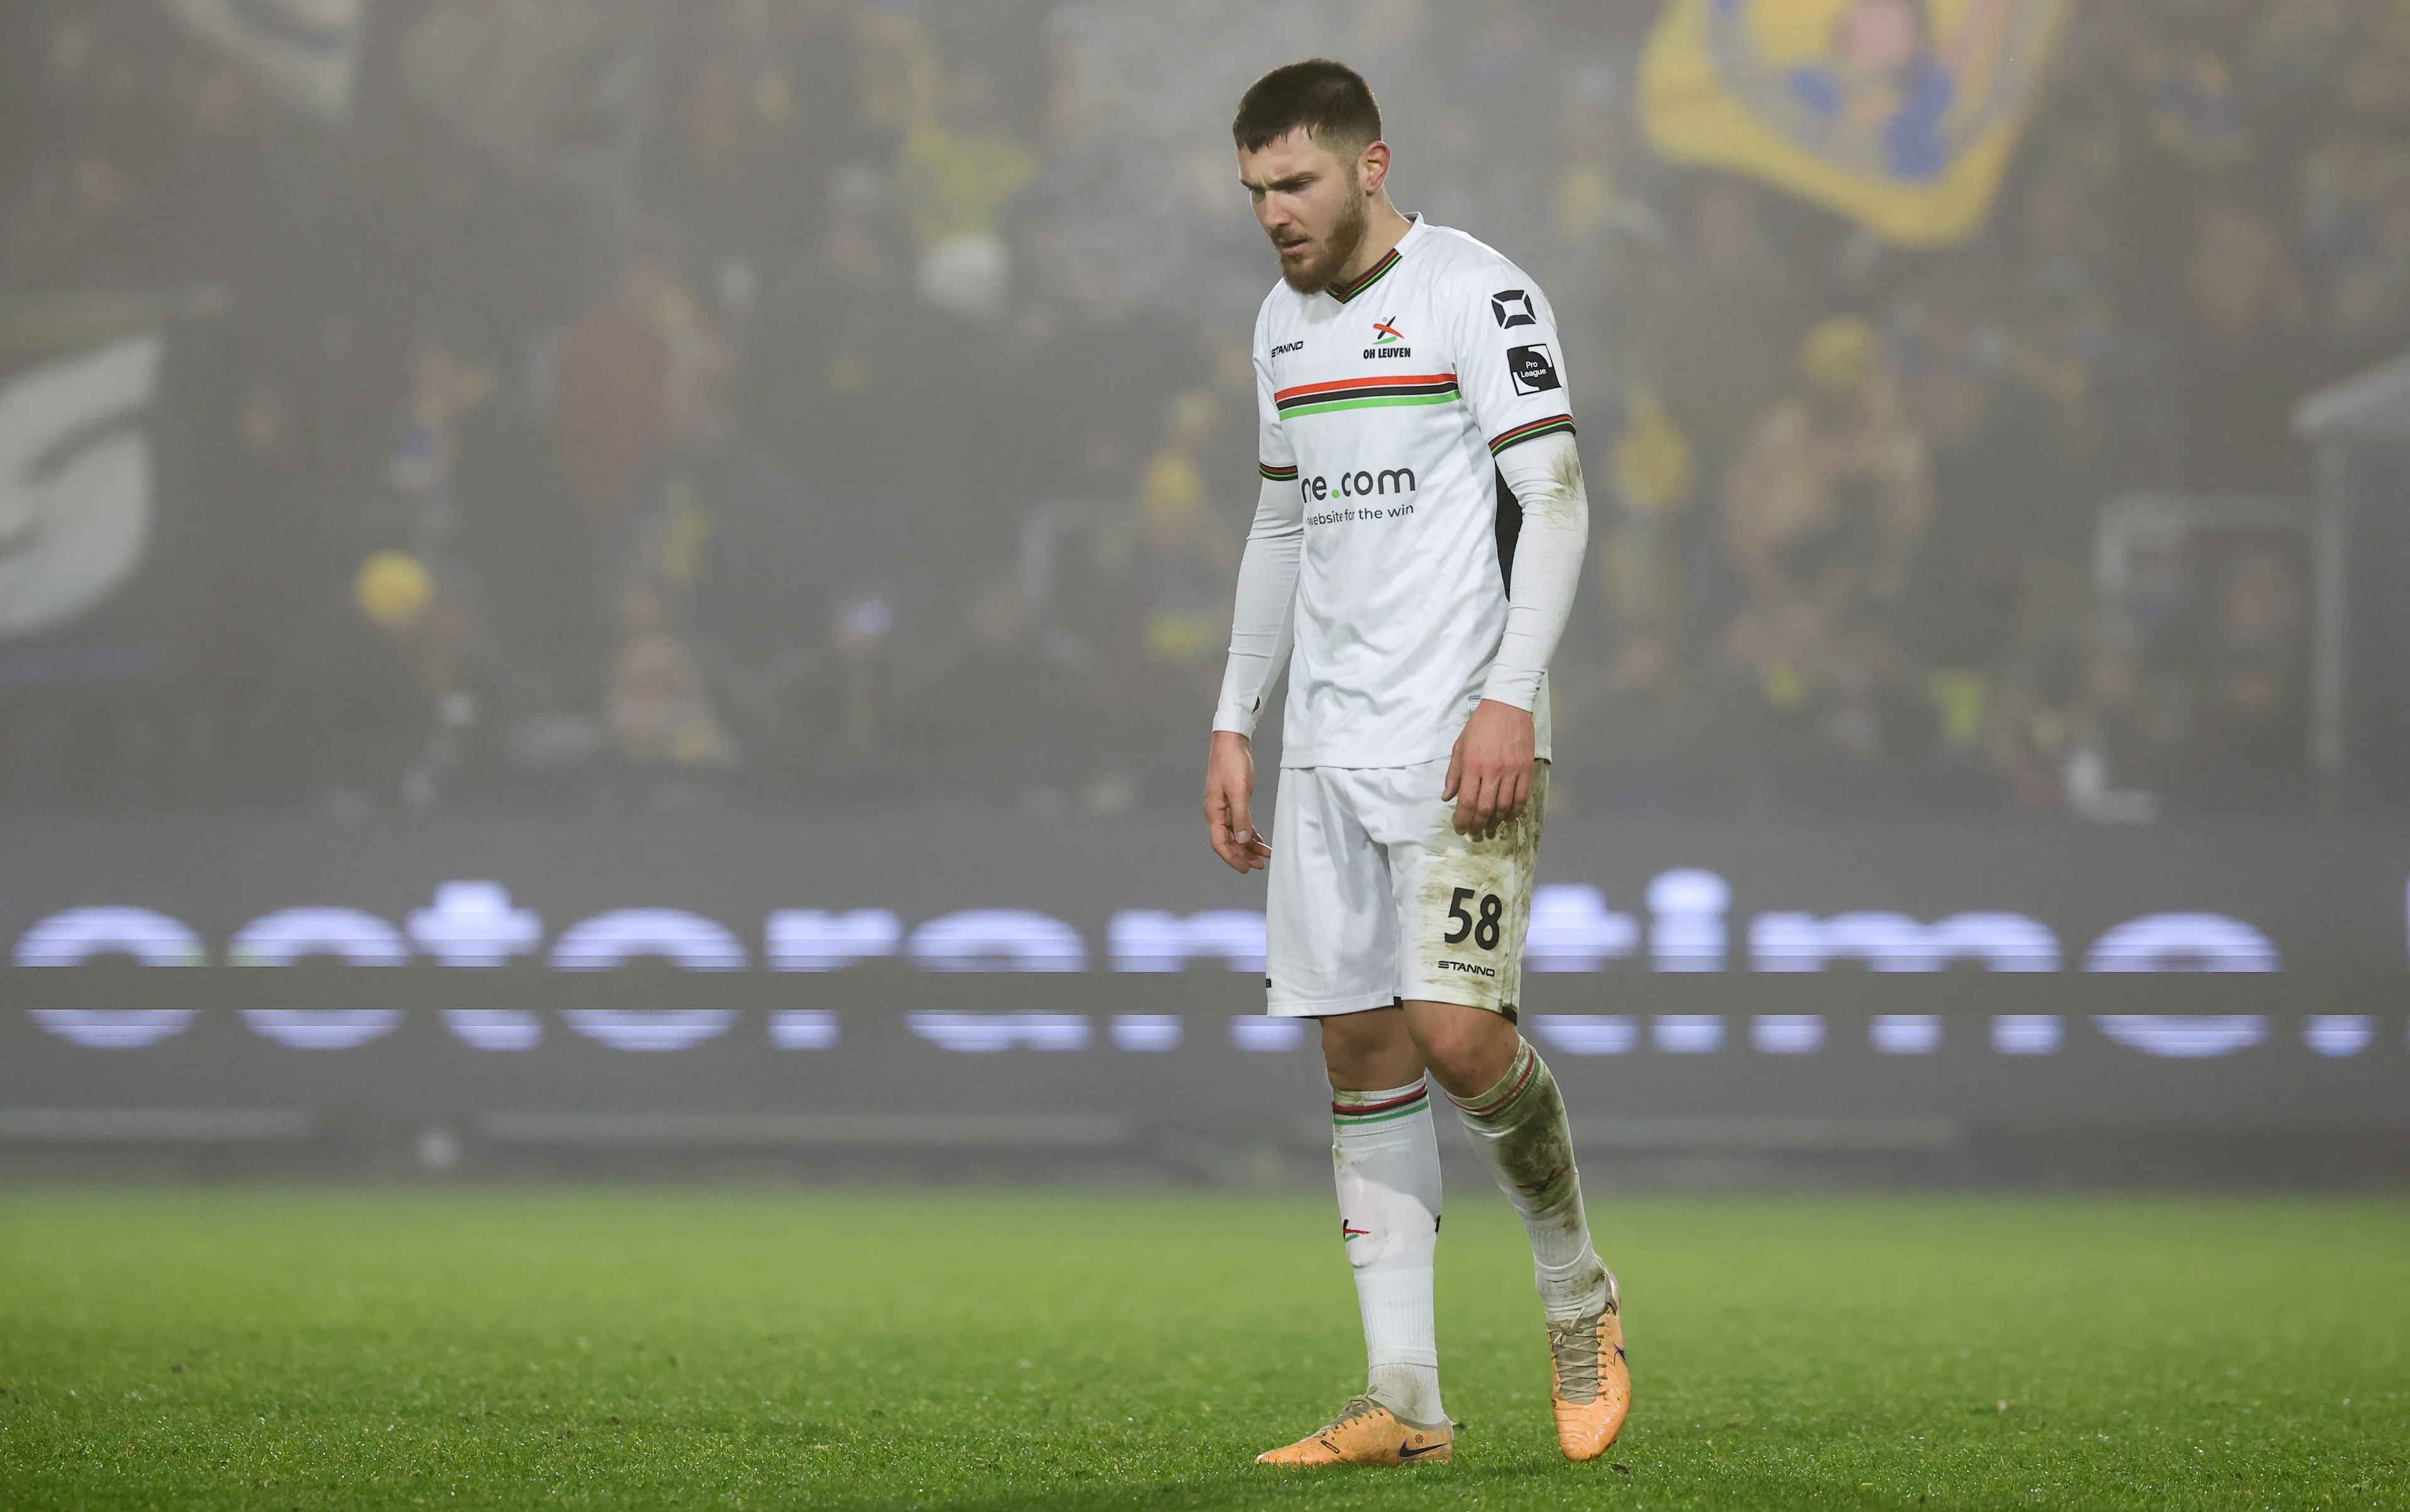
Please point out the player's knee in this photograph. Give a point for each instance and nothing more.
(1368, 1049)
(1468, 1051)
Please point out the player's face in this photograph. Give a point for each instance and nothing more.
(1311, 202)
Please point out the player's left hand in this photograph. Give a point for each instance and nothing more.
(1490, 771)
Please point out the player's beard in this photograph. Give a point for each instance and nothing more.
(1346, 234)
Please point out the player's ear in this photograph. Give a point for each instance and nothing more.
(1372, 167)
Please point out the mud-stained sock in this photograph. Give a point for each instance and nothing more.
(1518, 1128)
(1386, 1157)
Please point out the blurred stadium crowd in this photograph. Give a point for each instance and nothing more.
(602, 403)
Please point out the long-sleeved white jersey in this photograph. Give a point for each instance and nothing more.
(1423, 519)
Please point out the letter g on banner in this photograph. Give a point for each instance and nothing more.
(610, 940)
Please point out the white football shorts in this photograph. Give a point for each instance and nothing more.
(1374, 898)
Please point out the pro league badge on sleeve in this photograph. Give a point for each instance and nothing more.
(1532, 368)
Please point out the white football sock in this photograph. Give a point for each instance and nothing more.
(1518, 1128)
(1385, 1156)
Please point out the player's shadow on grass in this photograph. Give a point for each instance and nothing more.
(1256, 1486)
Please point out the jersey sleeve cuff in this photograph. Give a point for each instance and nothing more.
(1519, 689)
(1531, 431)
(1277, 474)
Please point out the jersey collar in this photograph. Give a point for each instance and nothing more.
(1343, 293)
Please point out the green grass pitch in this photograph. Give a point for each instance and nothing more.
(625, 1347)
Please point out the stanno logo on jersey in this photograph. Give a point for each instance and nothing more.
(1532, 368)
(1287, 347)
(1388, 340)
(1513, 308)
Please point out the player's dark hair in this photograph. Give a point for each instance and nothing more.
(1329, 100)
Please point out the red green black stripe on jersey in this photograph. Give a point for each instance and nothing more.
(1345, 291)
(1277, 474)
(1366, 393)
(1525, 432)
(1405, 1105)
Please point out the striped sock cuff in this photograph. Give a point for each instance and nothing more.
(1355, 1110)
(1509, 1090)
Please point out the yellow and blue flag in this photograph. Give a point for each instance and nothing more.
(1900, 114)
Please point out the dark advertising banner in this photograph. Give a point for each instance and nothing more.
(908, 981)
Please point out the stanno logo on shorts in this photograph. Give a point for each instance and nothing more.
(1468, 968)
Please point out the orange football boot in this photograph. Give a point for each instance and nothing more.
(1367, 1434)
(1591, 1390)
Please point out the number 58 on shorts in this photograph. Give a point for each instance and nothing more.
(1375, 897)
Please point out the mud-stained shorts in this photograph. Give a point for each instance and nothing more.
(1375, 897)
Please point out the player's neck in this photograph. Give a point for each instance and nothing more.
(1384, 229)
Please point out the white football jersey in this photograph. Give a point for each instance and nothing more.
(1383, 402)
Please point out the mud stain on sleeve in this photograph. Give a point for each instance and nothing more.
(1559, 500)
(1565, 498)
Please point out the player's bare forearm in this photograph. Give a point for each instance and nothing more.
(1229, 794)
(1490, 772)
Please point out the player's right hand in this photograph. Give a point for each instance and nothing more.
(1229, 786)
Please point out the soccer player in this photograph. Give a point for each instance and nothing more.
(1418, 538)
